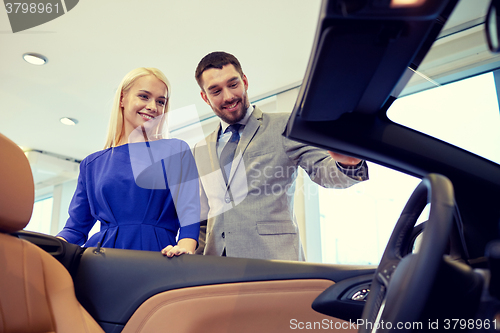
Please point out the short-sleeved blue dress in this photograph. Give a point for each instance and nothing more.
(144, 194)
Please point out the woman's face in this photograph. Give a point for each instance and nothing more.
(145, 100)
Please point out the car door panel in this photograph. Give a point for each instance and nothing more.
(345, 299)
(264, 306)
(112, 284)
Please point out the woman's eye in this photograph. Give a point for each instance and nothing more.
(162, 103)
(143, 96)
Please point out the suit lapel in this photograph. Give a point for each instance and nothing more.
(212, 149)
(253, 124)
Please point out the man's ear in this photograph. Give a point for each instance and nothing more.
(205, 97)
(245, 81)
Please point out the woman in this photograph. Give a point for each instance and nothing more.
(125, 185)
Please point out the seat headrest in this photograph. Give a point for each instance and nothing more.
(17, 191)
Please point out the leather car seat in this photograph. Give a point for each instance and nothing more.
(36, 291)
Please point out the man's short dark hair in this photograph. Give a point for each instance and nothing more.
(216, 60)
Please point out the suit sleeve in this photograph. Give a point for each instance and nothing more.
(321, 167)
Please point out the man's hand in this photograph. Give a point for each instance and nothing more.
(344, 160)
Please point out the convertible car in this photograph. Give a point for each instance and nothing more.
(382, 84)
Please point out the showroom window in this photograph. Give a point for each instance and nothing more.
(356, 223)
(41, 216)
(445, 113)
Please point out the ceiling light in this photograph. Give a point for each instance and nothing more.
(35, 59)
(68, 121)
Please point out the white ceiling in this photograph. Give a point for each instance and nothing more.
(92, 47)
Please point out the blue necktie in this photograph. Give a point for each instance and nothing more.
(227, 154)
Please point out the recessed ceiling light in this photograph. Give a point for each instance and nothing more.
(35, 59)
(68, 121)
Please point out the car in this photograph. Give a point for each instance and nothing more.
(373, 63)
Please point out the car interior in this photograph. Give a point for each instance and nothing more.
(439, 275)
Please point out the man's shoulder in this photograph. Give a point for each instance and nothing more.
(275, 116)
(208, 138)
(275, 120)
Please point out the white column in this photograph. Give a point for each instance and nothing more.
(63, 193)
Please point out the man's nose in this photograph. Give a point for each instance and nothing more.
(227, 95)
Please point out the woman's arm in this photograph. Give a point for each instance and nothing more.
(80, 219)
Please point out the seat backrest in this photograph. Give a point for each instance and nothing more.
(36, 291)
(17, 191)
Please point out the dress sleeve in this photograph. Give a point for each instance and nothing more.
(80, 219)
(186, 194)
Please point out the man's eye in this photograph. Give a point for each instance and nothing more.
(234, 85)
(215, 92)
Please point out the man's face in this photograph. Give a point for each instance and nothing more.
(226, 93)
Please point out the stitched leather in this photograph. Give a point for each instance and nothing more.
(36, 291)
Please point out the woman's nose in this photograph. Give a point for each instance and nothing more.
(151, 105)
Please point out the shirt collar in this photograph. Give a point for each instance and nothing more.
(243, 121)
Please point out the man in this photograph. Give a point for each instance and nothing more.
(249, 200)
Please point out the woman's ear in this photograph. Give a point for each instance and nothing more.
(121, 100)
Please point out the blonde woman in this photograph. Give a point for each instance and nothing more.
(125, 185)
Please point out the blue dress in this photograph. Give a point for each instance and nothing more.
(144, 195)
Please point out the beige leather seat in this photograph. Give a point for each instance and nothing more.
(36, 291)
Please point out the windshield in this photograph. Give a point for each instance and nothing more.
(453, 96)
(464, 113)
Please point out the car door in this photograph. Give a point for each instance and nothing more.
(132, 291)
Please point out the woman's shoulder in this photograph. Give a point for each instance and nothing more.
(173, 144)
(95, 156)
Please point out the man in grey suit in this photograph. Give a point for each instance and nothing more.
(248, 168)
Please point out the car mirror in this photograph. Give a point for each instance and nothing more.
(492, 26)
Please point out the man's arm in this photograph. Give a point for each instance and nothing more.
(202, 237)
(327, 169)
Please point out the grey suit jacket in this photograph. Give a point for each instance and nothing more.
(252, 216)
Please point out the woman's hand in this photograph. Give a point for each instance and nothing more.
(171, 251)
(185, 245)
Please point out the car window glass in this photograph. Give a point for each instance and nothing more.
(356, 222)
(464, 113)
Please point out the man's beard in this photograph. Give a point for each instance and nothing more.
(238, 115)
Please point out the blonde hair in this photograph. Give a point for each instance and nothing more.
(116, 124)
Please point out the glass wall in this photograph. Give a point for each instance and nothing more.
(42, 215)
(356, 223)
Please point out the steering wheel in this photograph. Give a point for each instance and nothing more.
(401, 285)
